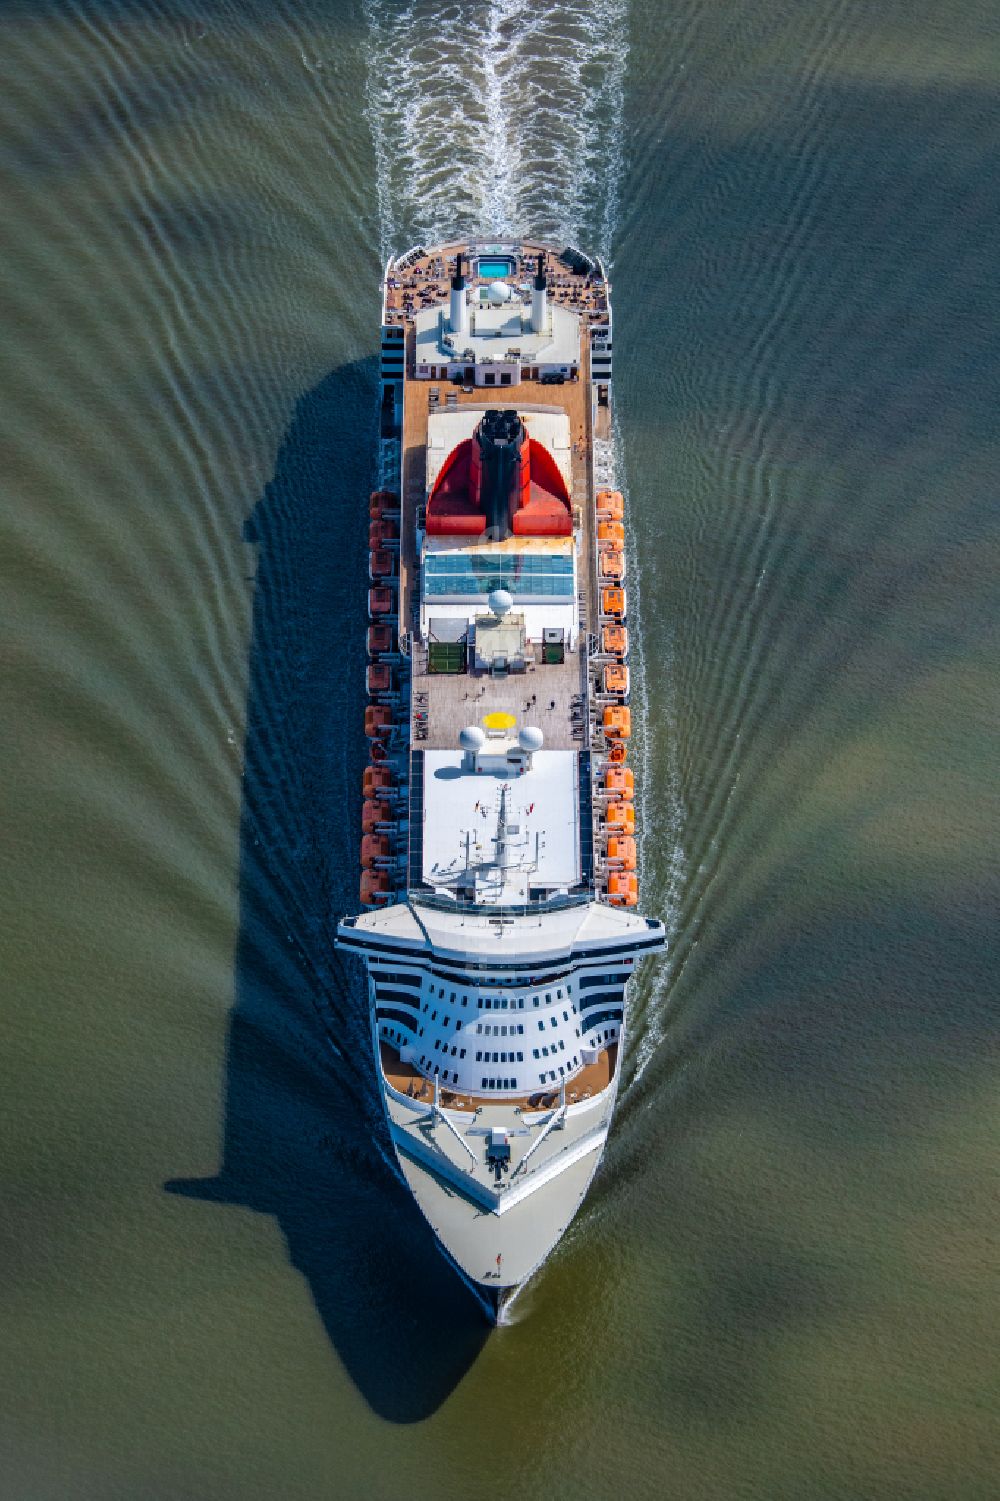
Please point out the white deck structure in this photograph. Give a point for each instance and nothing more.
(540, 848)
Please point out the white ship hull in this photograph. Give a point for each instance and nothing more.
(498, 854)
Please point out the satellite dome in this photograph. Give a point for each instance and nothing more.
(499, 292)
(472, 738)
(530, 738)
(500, 601)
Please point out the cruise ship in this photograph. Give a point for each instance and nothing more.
(500, 924)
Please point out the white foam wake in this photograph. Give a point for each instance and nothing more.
(497, 116)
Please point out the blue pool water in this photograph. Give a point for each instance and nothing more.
(496, 270)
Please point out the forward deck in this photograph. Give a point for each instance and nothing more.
(589, 1081)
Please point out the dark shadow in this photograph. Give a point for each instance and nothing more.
(303, 1132)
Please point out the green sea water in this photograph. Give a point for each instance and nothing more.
(784, 1284)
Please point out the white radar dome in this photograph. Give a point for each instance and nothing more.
(530, 738)
(472, 738)
(500, 601)
(499, 293)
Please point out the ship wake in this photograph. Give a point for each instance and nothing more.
(500, 116)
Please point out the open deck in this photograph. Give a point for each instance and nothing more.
(587, 1082)
(551, 696)
(425, 280)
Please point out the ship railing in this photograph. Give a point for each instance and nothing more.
(482, 909)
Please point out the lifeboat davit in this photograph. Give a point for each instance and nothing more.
(379, 639)
(618, 723)
(378, 721)
(615, 679)
(381, 532)
(375, 888)
(621, 816)
(610, 534)
(377, 779)
(621, 852)
(611, 566)
(620, 781)
(381, 503)
(612, 602)
(373, 812)
(378, 679)
(381, 601)
(623, 890)
(374, 847)
(381, 564)
(614, 640)
(611, 504)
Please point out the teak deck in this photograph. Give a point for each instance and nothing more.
(591, 1079)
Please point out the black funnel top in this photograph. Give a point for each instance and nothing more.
(540, 282)
(458, 280)
(500, 435)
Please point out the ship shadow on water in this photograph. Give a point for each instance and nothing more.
(303, 1137)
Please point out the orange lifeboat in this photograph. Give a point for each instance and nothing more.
(615, 679)
(617, 752)
(611, 565)
(382, 501)
(621, 852)
(623, 890)
(374, 812)
(377, 751)
(379, 639)
(621, 816)
(618, 723)
(375, 889)
(620, 781)
(374, 847)
(378, 678)
(381, 564)
(378, 721)
(381, 532)
(377, 779)
(610, 533)
(611, 503)
(614, 640)
(381, 601)
(612, 603)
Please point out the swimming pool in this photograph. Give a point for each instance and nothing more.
(496, 268)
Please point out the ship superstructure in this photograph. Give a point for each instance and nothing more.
(498, 852)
